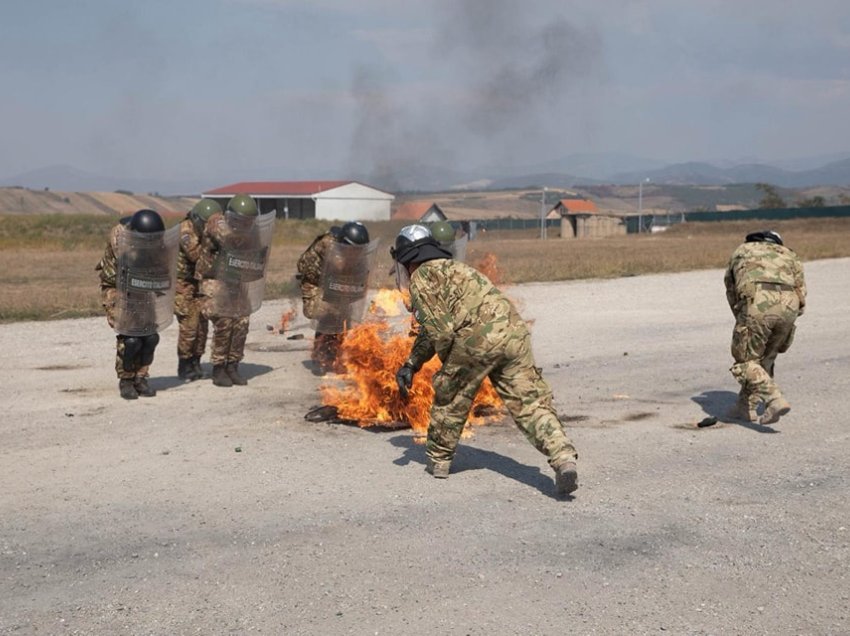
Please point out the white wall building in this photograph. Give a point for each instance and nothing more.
(327, 200)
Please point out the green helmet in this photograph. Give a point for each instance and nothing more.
(443, 231)
(242, 204)
(205, 208)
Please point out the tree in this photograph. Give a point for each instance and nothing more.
(816, 201)
(771, 198)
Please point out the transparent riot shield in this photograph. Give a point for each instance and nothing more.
(345, 284)
(145, 281)
(457, 247)
(240, 267)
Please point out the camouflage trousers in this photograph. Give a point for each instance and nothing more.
(193, 327)
(108, 297)
(758, 338)
(228, 341)
(325, 345)
(518, 382)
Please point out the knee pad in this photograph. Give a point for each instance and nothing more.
(132, 349)
(148, 347)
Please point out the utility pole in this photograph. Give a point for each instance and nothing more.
(543, 213)
(640, 204)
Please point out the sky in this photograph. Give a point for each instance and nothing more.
(183, 89)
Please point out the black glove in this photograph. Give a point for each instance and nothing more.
(404, 379)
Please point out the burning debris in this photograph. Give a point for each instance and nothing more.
(285, 319)
(367, 393)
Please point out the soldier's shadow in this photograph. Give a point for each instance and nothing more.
(247, 370)
(718, 403)
(471, 458)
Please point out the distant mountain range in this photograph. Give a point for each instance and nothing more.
(572, 170)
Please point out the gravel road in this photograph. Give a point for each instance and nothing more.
(222, 511)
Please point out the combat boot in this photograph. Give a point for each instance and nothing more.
(220, 377)
(232, 370)
(196, 367)
(143, 388)
(744, 410)
(775, 409)
(440, 470)
(185, 370)
(566, 478)
(128, 391)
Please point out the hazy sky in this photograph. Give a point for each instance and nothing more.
(181, 89)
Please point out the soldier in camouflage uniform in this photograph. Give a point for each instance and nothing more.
(311, 267)
(477, 333)
(766, 292)
(229, 332)
(133, 355)
(192, 337)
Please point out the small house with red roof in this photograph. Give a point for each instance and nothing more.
(328, 200)
(580, 218)
(419, 212)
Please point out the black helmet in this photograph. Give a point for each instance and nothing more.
(415, 244)
(353, 233)
(146, 221)
(765, 236)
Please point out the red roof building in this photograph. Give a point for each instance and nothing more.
(576, 206)
(419, 212)
(581, 218)
(330, 200)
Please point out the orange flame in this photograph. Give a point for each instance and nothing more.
(386, 303)
(487, 266)
(371, 353)
(285, 319)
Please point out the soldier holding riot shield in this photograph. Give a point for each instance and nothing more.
(137, 282)
(231, 270)
(334, 274)
(192, 339)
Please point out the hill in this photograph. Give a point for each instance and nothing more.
(18, 200)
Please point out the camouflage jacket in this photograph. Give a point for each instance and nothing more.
(108, 264)
(312, 261)
(216, 238)
(458, 308)
(762, 267)
(190, 249)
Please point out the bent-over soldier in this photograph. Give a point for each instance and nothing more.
(477, 333)
(193, 327)
(766, 291)
(330, 318)
(137, 273)
(231, 271)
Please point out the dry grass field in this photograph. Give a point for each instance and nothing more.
(47, 261)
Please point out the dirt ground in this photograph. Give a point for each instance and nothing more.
(222, 511)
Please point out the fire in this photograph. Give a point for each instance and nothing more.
(386, 303)
(285, 319)
(487, 266)
(371, 353)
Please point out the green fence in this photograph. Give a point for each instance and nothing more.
(515, 224)
(649, 221)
